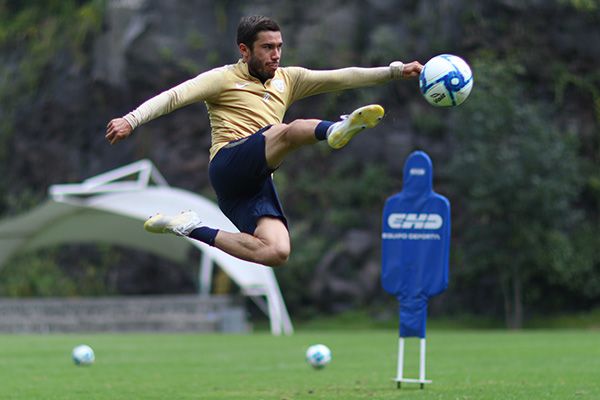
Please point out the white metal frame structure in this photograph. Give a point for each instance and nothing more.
(400, 375)
(109, 208)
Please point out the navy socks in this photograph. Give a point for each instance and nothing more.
(204, 234)
(321, 129)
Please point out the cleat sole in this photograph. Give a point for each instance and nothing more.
(152, 224)
(365, 117)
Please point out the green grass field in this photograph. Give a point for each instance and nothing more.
(462, 364)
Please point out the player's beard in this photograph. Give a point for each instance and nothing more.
(257, 69)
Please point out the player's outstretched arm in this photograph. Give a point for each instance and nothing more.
(412, 70)
(311, 82)
(117, 130)
(200, 88)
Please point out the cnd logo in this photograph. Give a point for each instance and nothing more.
(415, 221)
(266, 97)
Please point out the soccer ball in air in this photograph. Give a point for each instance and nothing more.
(83, 355)
(446, 80)
(318, 356)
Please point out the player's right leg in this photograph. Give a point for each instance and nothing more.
(269, 245)
(180, 225)
(247, 196)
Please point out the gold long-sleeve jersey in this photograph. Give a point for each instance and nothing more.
(239, 104)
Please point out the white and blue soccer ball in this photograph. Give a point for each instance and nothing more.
(83, 355)
(446, 80)
(318, 356)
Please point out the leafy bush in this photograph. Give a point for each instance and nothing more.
(517, 177)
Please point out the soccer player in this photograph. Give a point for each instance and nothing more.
(246, 104)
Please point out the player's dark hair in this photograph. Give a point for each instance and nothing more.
(249, 27)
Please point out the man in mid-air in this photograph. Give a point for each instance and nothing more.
(246, 104)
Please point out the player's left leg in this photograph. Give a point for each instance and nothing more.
(281, 139)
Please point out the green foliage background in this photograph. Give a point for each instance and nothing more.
(520, 160)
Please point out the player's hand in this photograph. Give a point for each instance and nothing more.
(117, 130)
(412, 70)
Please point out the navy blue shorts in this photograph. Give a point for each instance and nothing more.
(242, 180)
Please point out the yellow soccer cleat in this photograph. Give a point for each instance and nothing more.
(180, 225)
(364, 117)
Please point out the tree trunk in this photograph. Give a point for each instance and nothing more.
(517, 300)
(512, 291)
(505, 283)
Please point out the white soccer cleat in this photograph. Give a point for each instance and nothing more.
(180, 225)
(361, 118)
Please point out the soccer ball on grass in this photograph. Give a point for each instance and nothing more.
(318, 356)
(446, 80)
(83, 355)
